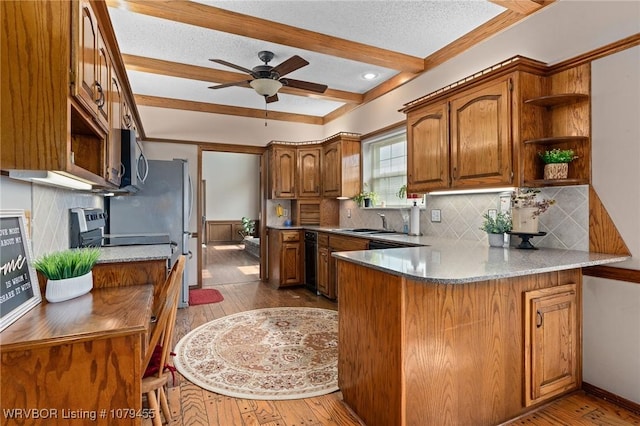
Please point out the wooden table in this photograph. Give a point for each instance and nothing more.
(77, 362)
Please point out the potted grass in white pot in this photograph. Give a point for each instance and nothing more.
(68, 272)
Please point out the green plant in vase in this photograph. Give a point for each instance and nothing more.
(557, 163)
(496, 227)
(68, 272)
(248, 227)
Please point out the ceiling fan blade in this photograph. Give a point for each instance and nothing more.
(236, 83)
(273, 98)
(293, 63)
(304, 85)
(229, 64)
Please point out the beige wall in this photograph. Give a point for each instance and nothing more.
(611, 315)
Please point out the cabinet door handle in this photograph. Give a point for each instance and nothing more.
(100, 100)
(538, 319)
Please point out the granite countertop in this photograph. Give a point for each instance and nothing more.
(447, 261)
(134, 253)
(459, 262)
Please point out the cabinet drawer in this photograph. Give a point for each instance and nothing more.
(323, 239)
(289, 236)
(340, 243)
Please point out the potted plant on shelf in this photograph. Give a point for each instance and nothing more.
(526, 207)
(496, 227)
(68, 272)
(557, 163)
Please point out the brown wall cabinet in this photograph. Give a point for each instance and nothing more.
(341, 166)
(66, 117)
(487, 131)
(309, 172)
(562, 120)
(464, 142)
(329, 168)
(283, 171)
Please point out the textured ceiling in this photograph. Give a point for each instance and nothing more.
(415, 28)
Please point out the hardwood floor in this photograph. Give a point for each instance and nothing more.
(193, 405)
(228, 263)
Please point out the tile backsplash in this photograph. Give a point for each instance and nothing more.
(50, 216)
(566, 222)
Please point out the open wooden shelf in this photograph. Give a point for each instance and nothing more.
(557, 140)
(555, 182)
(559, 99)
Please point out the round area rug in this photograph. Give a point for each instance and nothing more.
(275, 353)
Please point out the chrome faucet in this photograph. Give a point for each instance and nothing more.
(384, 220)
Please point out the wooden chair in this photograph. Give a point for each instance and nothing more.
(162, 335)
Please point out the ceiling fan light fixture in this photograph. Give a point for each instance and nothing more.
(265, 86)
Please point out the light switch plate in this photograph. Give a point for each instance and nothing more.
(435, 215)
(493, 213)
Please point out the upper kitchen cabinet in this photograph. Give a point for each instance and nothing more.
(486, 130)
(114, 147)
(480, 136)
(282, 171)
(341, 166)
(561, 119)
(428, 143)
(309, 172)
(56, 102)
(91, 63)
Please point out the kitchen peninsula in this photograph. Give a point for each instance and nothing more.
(458, 333)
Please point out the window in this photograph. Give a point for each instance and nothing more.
(385, 167)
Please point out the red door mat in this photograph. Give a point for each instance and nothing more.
(202, 296)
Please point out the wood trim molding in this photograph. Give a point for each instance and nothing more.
(213, 146)
(613, 273)
(608, 396)
(261, 29)
(384, 129)
(236, 149)
(604, 237)
(159, 102)
(523, 7)
(598, 53)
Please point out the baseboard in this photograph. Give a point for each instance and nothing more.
(613, 398)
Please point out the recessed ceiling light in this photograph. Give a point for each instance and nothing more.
(369, 75)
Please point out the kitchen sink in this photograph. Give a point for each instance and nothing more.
(371, 231)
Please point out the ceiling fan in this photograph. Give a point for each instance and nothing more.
(267, 80)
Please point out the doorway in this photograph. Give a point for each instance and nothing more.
(230, 189)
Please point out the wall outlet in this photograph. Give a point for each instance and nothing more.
(493, 213)
(435, 215)
(285, 212)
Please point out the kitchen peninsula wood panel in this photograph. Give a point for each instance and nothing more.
(83, 354)
(419, 353)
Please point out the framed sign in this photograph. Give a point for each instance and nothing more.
(19, 289)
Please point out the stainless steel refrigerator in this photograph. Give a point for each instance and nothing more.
(163, 205)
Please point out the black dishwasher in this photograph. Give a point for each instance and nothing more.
(310, 253)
